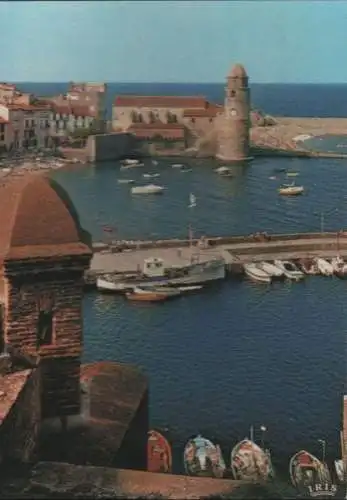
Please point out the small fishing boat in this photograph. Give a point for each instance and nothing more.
(250, 462)
(152, 294)
(255, 273)
(290, 270)
(307, 470)
(291, 190)
(292, 174)
(131, 165)
(126, 181)
(150, 176)
(340, 267)
(308, 266)
(130, 162)
(324, 267)
(185, 170)
(177, 165)
(203, 458)
(224, 171)
(192, 201)
(148, 189)
(274, 271)
(159, 455)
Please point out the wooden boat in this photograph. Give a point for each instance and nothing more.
(203, 458)
(290, 270)
(250, 462)
(256, 274)
(159, 455)
(152, 294)
(306, 470)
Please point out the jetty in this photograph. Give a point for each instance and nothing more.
(128, 256)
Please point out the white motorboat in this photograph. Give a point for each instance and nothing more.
(148, 189)
(274, 271)
(132, 165)
(130, 162)
(325, 268)
(177, 165)
(256, 273)
(291, 189)
(126, 181)
(150, 176)
(154, 273)
(224, 171)
(290, 270)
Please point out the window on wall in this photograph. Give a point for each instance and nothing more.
(45, 321)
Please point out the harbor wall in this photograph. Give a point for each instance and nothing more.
(113, 146)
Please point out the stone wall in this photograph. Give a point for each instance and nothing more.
(59, 359)
(20, 415)
(108, 147)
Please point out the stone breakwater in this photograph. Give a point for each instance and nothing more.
(281, 136)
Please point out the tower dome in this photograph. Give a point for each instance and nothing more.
(237, 71)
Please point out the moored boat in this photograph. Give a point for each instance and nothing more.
(291, 190)
(159, 455)
(306, 470)
(224, 171)
(250, 462)
(203, 458)
(255, 273)
(149, 295)
(148, 189)
(126, 181)
(308, 266)
(274, 271)
(324, 267)
(290, 270)
(150, 176)
(177, 165)
(340, 267)
(154, 273)
(130, 162)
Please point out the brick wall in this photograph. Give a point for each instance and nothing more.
(59, 360)
(20, 425)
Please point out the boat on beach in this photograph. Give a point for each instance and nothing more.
(306, 470)
(290, 270)
(255, 273)
(159, 455)
(325, 268)
(203, 458)
(154, 273)
(148, 189)
(248, 461)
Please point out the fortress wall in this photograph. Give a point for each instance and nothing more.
(108, 147)
(20, 415)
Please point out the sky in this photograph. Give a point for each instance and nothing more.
(278, 41)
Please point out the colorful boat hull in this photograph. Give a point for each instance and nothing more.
(250, 462)
(203, 458)
(306, 470)
(159, 455)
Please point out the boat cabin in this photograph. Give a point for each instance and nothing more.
(153, 267)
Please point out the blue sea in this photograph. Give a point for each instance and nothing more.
(238, 354)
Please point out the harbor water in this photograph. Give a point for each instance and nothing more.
(237, 354)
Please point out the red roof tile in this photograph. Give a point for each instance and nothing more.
(157, 101)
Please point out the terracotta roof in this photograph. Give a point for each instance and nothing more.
(158, 101)
(209, 112)
(150, 130)
(238, 71)
(37, 216)
(70, 109)
(28, 107)
(3, 120)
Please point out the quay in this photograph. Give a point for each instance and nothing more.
(128, 256)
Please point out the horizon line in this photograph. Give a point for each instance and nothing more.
(166, 83)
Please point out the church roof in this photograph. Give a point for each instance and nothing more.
(238, 71)
(38, 220)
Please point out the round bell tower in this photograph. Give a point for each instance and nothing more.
(234, 135)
